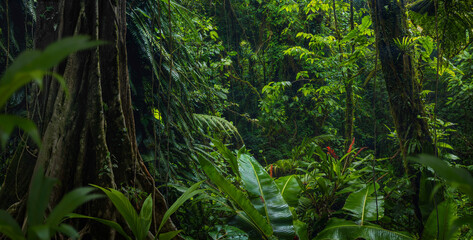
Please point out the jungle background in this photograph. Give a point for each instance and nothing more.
(299, 119)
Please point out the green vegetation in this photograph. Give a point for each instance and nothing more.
(236, 119)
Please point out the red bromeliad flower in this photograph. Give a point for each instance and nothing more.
(351, 145)
(271, 171)
(332, 153)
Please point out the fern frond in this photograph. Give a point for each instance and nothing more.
(216, 124)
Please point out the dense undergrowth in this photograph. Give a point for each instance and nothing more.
(271, 120)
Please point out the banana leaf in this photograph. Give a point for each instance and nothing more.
(457, 177)
(257, 181)
(363, 206)
(343, 229)
(290, 189)
(238, 198)
(440, 226)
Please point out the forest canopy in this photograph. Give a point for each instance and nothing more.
(236, 119)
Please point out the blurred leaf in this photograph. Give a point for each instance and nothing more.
(69, 203)
(145, 217)
(38, 197)
(109, 223)
(446, 217)
(8, 124)
(169, 235)
(459, 178)
(9, 227)
(33, 65)
(68, 230)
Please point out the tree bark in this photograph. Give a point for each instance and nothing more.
(88, 136)
(403, 88)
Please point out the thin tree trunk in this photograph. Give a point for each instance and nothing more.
(347, 80)
(88, 136)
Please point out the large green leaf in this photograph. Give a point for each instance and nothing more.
(169, 235)
(8, 124)
(145, 216)
(458, 223)
(237, 197)
(33, 65)
(339, 229)
(440, 225)
(67, 230)
(290, 189)
(38, 197)
(69, 203)
(258, 182)
(109, 223)
(9, 227)
(124, 207)
(457, 177)
(190, 192)
(363, 206)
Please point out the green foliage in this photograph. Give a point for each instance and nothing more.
(454, 22)
(343, 229)
(290, 189)
(267, 197)
(40, 226)
(457, 177)
(189, 193)
(228, 232)
(216, 124)
(244, 209)
(443, 222)
(364, 206)
(140, 223)
(439, 224)
(31, 66)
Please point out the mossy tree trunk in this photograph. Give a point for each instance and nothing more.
(88, 136)
(403, 89)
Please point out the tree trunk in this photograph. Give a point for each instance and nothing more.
(403, 89)
(88, 136)
(400, 78)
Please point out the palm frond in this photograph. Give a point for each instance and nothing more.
(216, 124)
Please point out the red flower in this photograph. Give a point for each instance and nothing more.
(271, 171)
(351, 145)
(332, 153)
